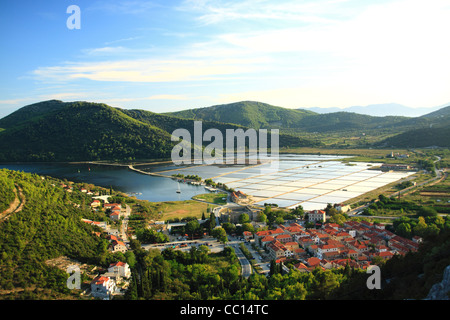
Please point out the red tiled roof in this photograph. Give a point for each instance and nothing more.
(100, 280)
(313, 261)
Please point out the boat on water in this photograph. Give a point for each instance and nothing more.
(178, 190)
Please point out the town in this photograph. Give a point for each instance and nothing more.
(302, 244)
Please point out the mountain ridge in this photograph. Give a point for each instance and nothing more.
(84, 131)
(379, 110)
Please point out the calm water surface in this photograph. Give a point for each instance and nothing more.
(142, 186)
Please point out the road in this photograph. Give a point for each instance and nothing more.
(245, 264)
(210, 242)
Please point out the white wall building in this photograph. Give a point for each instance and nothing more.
(102, 287)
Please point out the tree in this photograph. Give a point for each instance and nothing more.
(212, 221)
(192, 227)
(383, 198)
(220, 234)
(261, 217)
(244, 218)
(404, 229)
(427, 212)
(279, 220)
(330, 210)
(229, 227)
(420, 228)
(247, 227)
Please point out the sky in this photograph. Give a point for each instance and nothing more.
(167, 55)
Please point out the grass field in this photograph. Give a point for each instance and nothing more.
(180, 209)
(217, 198)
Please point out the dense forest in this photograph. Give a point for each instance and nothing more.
(81, 131)
(7, 188)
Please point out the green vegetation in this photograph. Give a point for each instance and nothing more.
(151, 236)
(76, 131)
(247, 113)
(48, 226)
(216, 198)
(395, 206)
(337, 129)
(81, 131)
(6, 190)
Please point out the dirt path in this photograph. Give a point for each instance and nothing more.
(16, 205)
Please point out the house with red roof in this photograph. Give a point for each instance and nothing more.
(283, 238)
(118, 246)
(120, 268)
(316, 216)
(302, 267)
(313, 262)
(96, 203)
(266, 240)
(277, 250)
(102, 287)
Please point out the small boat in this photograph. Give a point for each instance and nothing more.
(178, 190)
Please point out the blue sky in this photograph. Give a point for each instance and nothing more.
(173, 55)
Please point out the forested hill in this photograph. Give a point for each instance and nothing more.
(247, 113)
(58, 131)
(261, 115)
(83, 131)
(48, 226)
(420, 138)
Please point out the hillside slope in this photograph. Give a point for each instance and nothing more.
(247, 113)
(261, 115)
(49, 226)
(84, 131)
(420, 138)
(79, 131)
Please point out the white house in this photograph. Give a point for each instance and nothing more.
(316, 215)
(324, 249)
(118, 246)
(120, 268)
(102, 287)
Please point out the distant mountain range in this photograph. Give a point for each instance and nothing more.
(379, 110)
(76, 131)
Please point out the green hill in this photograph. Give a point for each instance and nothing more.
(261, 115)
(247, 113)
(347, 121)
(84, 131)
(420, 138)
(48, 226)
(77, 131)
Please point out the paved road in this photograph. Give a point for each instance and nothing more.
(210, 242)
(245, 264)
(259, 260)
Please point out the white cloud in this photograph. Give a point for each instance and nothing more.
(147, 70)
(312, 53)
